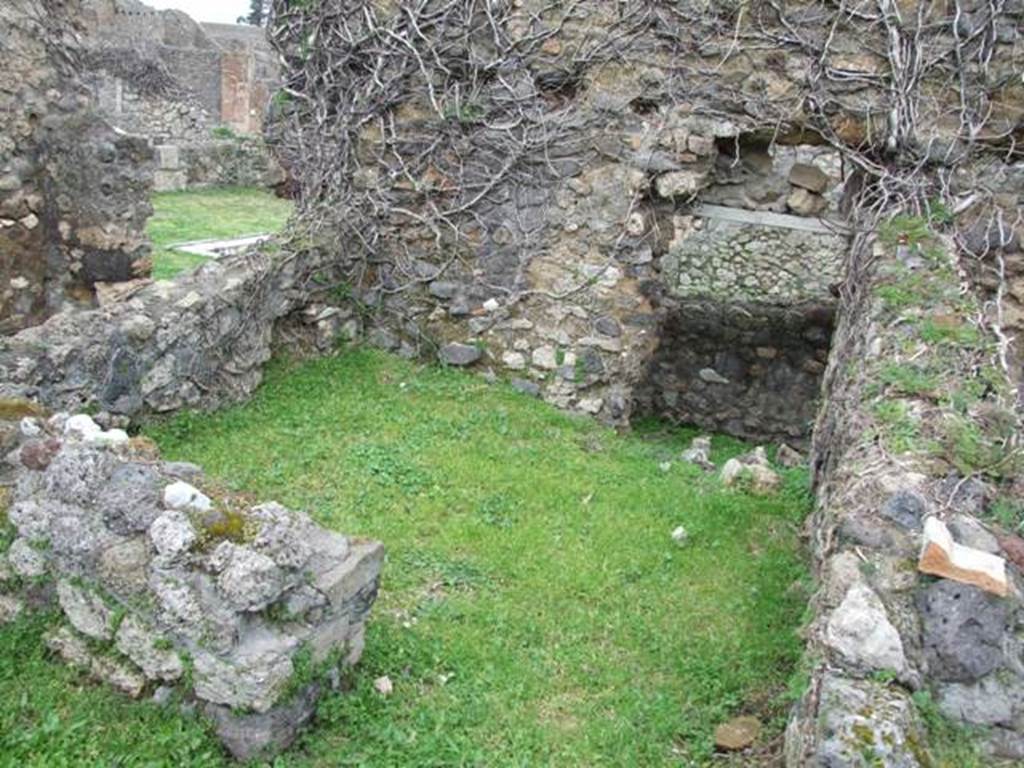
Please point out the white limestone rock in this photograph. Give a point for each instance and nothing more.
(181, 495)
(860, 632)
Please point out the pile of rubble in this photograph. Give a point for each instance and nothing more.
(243, 610)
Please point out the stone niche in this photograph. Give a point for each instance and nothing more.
(747, 317)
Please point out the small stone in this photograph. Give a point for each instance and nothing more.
(680, 535)
(443, 289)
(963, 630)
(108, 439)
(138, 327)
(808, 177)
(530, 388)
(37, 454)
(30, 427)
(804, 203)
(971, 533)
(141, 644)
(459, 354)
(25, 560)
(514, 361)
(249, 581)
(906, 509)
(492, 305)
(699, 453)
(81, 426)
(608, 326)
(545, 357)
(680, 183)
(711, 376)
(941, 556)
(789, 457)
(172, 535)
(181, 495)
(859, 630)
(739, 733)
(591, 405)
(85, 610)
(760, 478)
(665, 466)
(10, 608)
(383, 685)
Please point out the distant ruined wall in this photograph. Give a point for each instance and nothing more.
(73, 191)
(179, 83)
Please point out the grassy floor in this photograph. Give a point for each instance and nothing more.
(534, 610)
(205, 214)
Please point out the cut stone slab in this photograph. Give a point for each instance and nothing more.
(941, 556)
(251, 736)
(739, 733)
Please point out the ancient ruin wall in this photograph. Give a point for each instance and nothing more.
(73, 191)
(890, 458)
(244, 610)
(197, 91)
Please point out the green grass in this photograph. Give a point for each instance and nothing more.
(534, 610)
(205, 214)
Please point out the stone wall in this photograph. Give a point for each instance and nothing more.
(73, 190)
(202, 88)
(902, 613)
(245, 610)
(200, 341)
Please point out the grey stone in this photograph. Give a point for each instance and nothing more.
(281, 535)
(131, 499)
(252, 736)
(906, 508)
(183, 470)
(864, 723)
(146, 648)
(969, 532)
(181, 495)
(608, 326)
(962, 630)
(527, 387)
(250, 679)
(859, 630)
(85, 611)
(124, 566)
(986, 702)
(248, 580)
(459, 354)
(804, 203)
(444, 289)
(172, 536)
(25, 560)
(10, 608)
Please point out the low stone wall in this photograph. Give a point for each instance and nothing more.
(915, 438)
(243, 609)
(200, 341)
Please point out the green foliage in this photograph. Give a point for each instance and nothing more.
(223, 132)
(51, 716)
(898, 426)
(180, 217)
(466, 113)
(951, 744)
(909, 379)
(533, 610)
